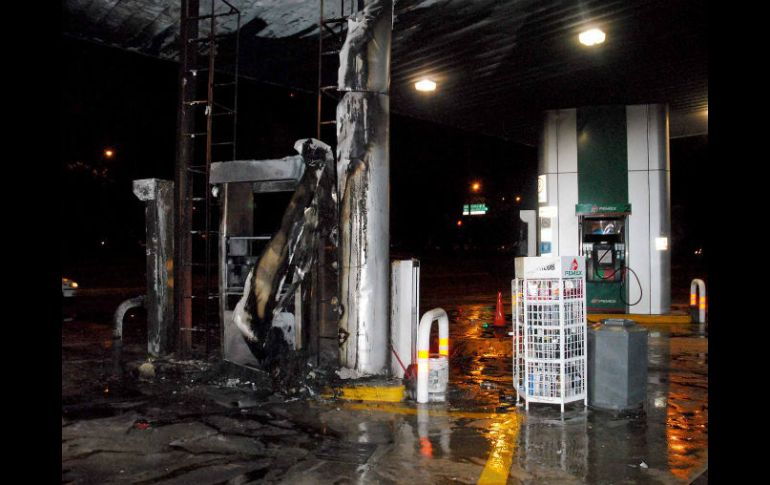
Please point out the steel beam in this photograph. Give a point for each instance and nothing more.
(183, 190)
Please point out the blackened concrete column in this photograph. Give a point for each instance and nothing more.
(363, 123)
(158, 196)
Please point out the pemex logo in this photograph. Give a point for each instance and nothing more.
(573, 269)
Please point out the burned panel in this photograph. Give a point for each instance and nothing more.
(266, 320)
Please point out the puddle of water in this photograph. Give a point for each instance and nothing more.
(581, 445)
(671, 435)
(345, 451)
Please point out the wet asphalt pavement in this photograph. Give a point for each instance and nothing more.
(179, 427)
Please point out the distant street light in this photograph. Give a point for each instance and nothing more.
(109, 153)
(475, 186)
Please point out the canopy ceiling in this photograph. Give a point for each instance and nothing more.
(498, 64)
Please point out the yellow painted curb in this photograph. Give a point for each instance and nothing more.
(369, 393)
(504, 436)
(597, 317)
(411, 410)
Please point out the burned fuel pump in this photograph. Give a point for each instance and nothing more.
(603, 243)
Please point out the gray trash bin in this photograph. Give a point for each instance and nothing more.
(617, 365)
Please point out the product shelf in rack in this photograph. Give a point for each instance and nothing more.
(549, 331)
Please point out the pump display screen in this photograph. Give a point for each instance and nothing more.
(603, 242)
(603, 230)
(603, 226)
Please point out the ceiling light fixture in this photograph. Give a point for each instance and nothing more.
(425, 85)
(592, 37)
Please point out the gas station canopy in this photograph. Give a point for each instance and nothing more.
(497, 64)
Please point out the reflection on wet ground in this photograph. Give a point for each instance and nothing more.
(182, 432)
(666, 442)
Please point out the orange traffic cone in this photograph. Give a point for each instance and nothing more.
(499, 317)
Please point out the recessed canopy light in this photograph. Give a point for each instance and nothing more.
(425, 85)
(591, 37)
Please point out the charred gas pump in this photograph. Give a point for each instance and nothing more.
(603, 243)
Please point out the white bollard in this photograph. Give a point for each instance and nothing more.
(698, 284)
(423, 348)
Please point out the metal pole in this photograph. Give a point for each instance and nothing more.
(322, 332)
(207, 189)
(320, 69)
(182, 189)
(327, 315)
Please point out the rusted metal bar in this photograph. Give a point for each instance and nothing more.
(320, 70)
(207, 211)
(327, 270)
(182, 187)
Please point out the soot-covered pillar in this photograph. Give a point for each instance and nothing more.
(158, 196)
(363, 159)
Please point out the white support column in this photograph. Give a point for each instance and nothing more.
(558, 166)
(649, 226)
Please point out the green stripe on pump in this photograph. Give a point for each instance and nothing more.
(602, 155)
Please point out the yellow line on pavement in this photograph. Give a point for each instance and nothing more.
(597, 317)
(389, 408)
(504, 434)
(370, 393)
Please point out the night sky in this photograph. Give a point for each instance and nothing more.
(127, 102)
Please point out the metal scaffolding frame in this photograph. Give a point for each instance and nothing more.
(200, 142)
(324, 310)
(335, 28)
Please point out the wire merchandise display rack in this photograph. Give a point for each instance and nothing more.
(549, 330)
